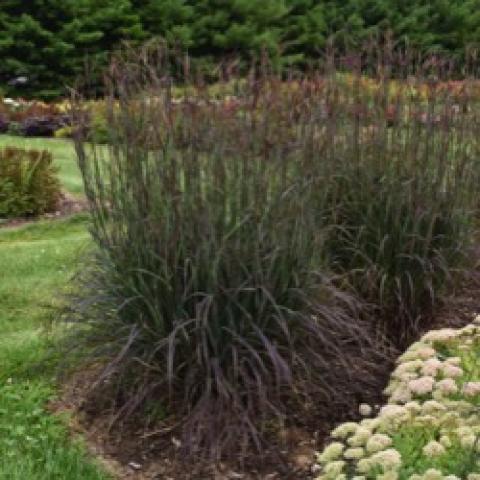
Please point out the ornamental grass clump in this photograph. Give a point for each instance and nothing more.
(403, 150)
(208, 297)
(258, 242)
(28, 183)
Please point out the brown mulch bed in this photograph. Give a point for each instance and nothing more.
(67, 205)
(133, 453)
(130, 452)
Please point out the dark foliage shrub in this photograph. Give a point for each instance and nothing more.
(3, 125)
(42, 126)
(28, 183)
(32, 119)
(14, 128)
(209, 292)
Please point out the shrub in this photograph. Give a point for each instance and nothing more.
(31, 119)
(28, 183)
(21, 110)
(14, 128)
(98, 129)
(3, 125)
(64, 132)
(208, 290)
(42, 126)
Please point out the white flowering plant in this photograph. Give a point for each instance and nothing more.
(430, 427)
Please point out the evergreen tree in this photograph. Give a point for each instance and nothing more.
(304, 30)
(34, 45)
(237, 26)
(46, 41)
(168, 19)
(102, 25)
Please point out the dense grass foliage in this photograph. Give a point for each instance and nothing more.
(28, 183)
(236, 234)
(39, 260)
(404, 159)
(43, 43)
(209, 290)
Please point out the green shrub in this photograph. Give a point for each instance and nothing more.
(208, 292)
(15, 129)
(98, 129)
(64, 132)
(28, 183)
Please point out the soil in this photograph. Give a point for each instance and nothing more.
(136, 454)
(133, 453)
(67, 205)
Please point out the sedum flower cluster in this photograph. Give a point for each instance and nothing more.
(430, 427)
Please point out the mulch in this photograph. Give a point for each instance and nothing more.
(67, 205)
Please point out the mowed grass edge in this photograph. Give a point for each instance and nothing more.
(36, 262)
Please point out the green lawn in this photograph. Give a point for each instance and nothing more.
(64, 155)
(36, 263)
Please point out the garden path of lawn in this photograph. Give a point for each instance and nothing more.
(36, 263)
